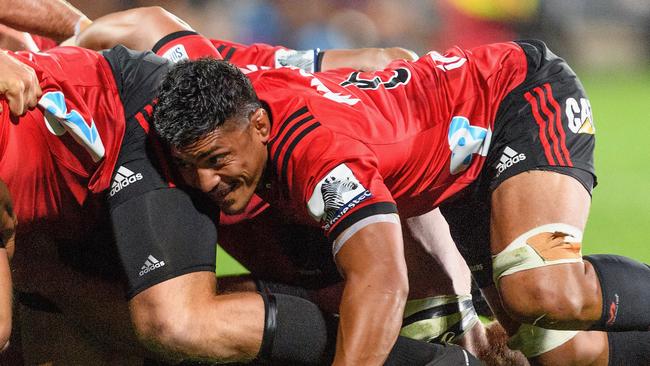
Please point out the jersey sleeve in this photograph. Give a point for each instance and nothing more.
(137, 75)
(185, 45)
(79, 100)
(334, 178)
(260, 54)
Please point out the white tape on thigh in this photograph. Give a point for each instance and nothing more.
(545, 245)
(443, 318)
(532, 340)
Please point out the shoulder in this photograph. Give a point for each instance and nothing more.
(137, 76)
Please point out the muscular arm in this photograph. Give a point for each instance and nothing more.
(364, 59)
(376, 287)
(127, 28)
(56, 19)
(177, 318)
(138, 29)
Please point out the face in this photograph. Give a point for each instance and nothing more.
(228, 163)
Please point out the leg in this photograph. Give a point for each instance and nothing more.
(429, 247)
(586, 348)
(533, 296)
(519, 205)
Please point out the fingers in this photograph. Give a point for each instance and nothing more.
(19, 84)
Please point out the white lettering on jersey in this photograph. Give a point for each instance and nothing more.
(322, 89)
(176, 53)
(252, 68)
(447, 63)
(579, 116)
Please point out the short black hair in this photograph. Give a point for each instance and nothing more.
(197, 97)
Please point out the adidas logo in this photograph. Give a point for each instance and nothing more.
(150, 264)
(123, 178)
(509, 158)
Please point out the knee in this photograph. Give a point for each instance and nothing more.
(533, 297)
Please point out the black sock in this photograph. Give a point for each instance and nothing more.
(629, 348)
(625, 284)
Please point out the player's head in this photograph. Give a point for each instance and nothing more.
(209, 114)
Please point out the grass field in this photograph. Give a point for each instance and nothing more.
(620, 215)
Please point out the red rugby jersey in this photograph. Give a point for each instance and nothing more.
(54, 162)
(59, 167)
(346, 146)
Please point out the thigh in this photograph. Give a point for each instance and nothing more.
(535, 198)
(540, 165)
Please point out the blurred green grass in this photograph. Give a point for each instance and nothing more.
(620, 216)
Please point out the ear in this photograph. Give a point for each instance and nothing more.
(261, 124)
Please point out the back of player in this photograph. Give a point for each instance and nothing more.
(432, 119)
(56, 158)
(413, 134)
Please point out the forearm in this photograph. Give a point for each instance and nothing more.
(56, 19)
(13, 40)
(370, 320)
(376, 288)
(364, 59)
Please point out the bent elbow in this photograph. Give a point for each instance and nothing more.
(175, 335)
(159, 331)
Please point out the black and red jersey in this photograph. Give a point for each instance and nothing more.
(60, 164)
(57, 157)
(346, 146)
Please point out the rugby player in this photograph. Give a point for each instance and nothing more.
(503, 133)
(87, 162)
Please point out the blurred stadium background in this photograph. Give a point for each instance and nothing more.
(607, 42)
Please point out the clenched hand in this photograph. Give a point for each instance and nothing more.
(18, 84)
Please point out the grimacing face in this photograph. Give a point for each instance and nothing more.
(228, 163)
